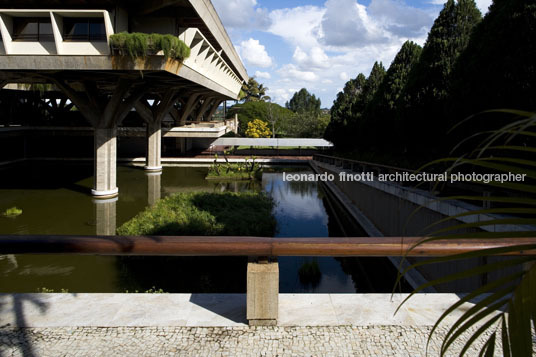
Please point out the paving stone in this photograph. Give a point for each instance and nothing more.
(226, 341)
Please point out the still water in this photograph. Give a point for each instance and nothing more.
(54, 200)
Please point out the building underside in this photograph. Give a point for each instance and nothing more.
(64, 49)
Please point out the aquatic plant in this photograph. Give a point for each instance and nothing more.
(249, 169)
(12, 212)
(138, 45)
(205, 214)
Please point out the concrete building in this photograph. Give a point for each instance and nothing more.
(66, 45)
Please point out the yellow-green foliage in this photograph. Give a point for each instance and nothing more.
(258, 129)
(137, 45)
(12, 212)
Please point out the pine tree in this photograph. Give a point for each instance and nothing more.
(304, 102)
(381, 111)
(360, 125)
(498, 68)
(341, 112)
(369, 89)
(427, 88)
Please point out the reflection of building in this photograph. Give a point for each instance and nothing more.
(67, 45)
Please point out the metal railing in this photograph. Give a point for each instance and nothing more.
(251, 246)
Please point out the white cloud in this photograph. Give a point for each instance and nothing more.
(264, 75)
(297, 25)
(347, 23)
(290, 71)
(330, 43)
(254, 53)
(242, 14)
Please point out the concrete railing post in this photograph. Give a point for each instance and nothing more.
(263, 293)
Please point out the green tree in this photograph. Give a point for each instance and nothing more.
(360, 125)
(304, 102)
(372, 84)
(341, 112)
(266, 111)
(425, 93)
(498, 68)
(381, 111)
(254, 91)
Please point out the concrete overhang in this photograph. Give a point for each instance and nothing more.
(190, 13)
(27, 69)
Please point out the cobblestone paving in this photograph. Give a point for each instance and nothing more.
(221, 341)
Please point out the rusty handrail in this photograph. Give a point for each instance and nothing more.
(250, 246)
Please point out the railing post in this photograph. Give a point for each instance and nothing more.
(262, 292)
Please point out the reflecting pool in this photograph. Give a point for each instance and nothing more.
(54, 200)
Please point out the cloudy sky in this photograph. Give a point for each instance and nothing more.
(319, 44)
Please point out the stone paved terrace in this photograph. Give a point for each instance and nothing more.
(214, 325)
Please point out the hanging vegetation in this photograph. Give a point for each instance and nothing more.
(139, 45)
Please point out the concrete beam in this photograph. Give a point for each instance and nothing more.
(203, 108)
(188, 108)
(153, 116)
(215, 106)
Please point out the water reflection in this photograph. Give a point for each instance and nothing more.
(154, 183)
(301, 209)
(106, 216)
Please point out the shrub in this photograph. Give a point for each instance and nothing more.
(205, 214)
(137, 45)
(258, 129)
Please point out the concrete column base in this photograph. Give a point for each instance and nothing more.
(262, 294)
(105, 194)
(152, 168)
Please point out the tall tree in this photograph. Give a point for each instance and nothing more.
(254, 91)
(360, 125)
(425, 93)
(304, 102)
(341, 112)
(498, 68)
(372, 84)
(381, 111)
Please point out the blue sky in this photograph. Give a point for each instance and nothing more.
(319, 45)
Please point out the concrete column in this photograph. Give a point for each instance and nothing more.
(181, 145)
(105, 180)
(105, 216)
(154, 146)
(263, 293)
(154, 192)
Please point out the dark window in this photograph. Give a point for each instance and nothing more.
(32, 29)
(83, 29)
